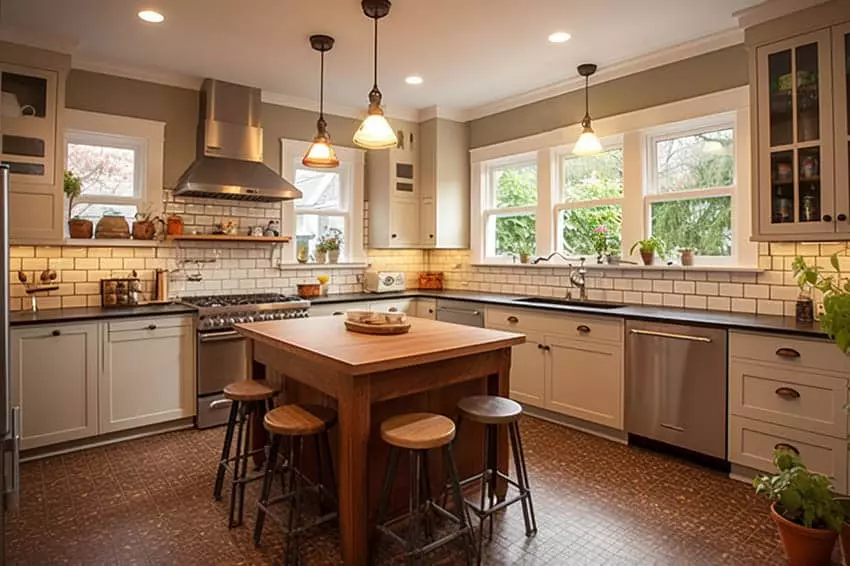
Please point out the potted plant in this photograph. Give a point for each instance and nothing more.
(331, 242)
(686, 256)
(807, 278)
(523, 249)
(601, 242)
(77, 227)
(648, 249)
(804, 509)
(144, 227)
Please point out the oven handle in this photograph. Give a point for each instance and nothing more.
(219, 336)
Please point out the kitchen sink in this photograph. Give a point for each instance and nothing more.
(568, 303)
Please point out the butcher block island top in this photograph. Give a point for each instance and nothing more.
(326, 340)
(368, 378)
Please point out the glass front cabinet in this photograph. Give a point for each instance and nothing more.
(841, 86)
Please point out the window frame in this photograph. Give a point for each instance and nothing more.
(489, 211)
(351, 172)
(145, 137)
(562, 155)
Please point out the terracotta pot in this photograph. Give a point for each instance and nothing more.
(845, 543)
(80, 228)
(174, 226)
(523, 258)
(804, 546)
(144, 230)
(687, 257)
(647, 257)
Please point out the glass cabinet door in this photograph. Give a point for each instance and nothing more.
(841, 77)
(795, 118)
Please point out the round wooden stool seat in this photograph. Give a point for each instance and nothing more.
(249, 390)
(418, 431)
(299, 420)
(489, 409)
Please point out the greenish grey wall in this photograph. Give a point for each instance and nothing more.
(178, 108)
(711, 72)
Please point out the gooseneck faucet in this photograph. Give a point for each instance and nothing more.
(578, 279)
(538, 259)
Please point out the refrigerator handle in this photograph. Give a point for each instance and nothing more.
(12, 451)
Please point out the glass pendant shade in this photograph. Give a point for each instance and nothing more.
(375, 132)
(588, 143)
(320, 155)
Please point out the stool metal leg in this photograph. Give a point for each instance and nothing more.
(386, 490)
(493, 466)
(522, 480)
(249, 426)
(293, 536)
(460, 507)
(225, 451)
(425, 487)
(414, 508)
(234, 485)
(268, 481)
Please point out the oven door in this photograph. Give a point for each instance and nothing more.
(222, 359)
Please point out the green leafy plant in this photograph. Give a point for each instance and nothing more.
(835, 320)
(801, 496)
(649, 245)
(600, 239)
(330, 240)
(73, 187)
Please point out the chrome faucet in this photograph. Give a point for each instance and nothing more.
(538, 259)
(578, 279)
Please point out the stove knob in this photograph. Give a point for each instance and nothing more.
(230, 321)
(248, 318)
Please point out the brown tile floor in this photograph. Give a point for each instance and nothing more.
(149, 502)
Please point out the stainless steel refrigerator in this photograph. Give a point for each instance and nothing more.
(9, 416)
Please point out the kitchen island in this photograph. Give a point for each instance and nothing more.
(368, 378)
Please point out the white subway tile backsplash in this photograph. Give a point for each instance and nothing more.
(671, 300)
(753, 291)
(743, 305)
(731, 289)
(684, 287)
(719, 303)
(707, 288)
(695, 302)
(662, 286)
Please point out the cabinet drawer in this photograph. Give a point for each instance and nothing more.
(149, 324)
(752, 443)
(596, 328)
(802, 400)
(790, 351)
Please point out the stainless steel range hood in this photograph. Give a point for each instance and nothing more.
(230, 164)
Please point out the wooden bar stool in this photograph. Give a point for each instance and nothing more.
(419, 433)
(247, 397)
(492, 412)
(295, 422)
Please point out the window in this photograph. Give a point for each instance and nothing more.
(332, 198)
(690, 189)
(119, 162)
(590, 209)
(510, 209)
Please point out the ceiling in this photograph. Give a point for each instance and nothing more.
(469, 52)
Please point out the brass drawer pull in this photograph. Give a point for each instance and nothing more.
(583, 328)
(788, 393)
(337, 313)
(513, 319)
(786, 446)
(151, 326)
(789, 353)
(56, 333)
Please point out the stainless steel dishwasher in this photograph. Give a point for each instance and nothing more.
(676, 385)
(460, 312)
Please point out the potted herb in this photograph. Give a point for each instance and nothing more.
(524, 249)
(807, 278)
(648, 249)
(330, 242)
(686, 256)
(601, 242)
(77, 227)
(804, 509)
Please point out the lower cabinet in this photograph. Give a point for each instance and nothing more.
(148, 373)
(54, 372)
(405, 305)
(74, 381)
(528, 368)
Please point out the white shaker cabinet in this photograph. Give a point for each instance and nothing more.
(54, 381)
(148, 375)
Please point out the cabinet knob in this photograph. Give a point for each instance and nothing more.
(546, 348)
(56, 333)
(393, 235)
(583, 328)
(788, 393)
(540, 346)
(841, 217)
(430, 311)
(392, 309)
(827, 218)
(786, 446)
(337, 313)
(787, 353)
(431, 236)
(151, 326)
(513, 319)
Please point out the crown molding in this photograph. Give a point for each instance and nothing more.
(432, 112)
(32, 38)
(136, 73)
(658, 58)
(772, 9)
(358, 113)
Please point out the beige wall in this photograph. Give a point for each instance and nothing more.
(178, 108)
(711, 72)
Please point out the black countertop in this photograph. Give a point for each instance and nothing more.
(738, 321)
(23, 318)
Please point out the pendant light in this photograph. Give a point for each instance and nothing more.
(321, 154)
(375, 132)
(588, 143)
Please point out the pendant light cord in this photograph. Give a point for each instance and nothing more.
(322, 87)
(375, 66)
(586, 96)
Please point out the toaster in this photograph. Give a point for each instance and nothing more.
(384, 281)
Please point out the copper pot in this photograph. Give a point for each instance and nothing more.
(80, 228)
(174, 225)
(309, 290)
(144, 230)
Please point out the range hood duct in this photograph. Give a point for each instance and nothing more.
(229, 164)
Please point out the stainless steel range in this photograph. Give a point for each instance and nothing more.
(222, 352)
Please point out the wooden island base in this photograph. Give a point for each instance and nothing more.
(370, 378)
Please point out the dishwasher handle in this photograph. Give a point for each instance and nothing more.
(671, 335)
(459, 311)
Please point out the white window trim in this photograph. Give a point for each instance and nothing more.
(490, 213)
(353, 166)
(632, 127)
(146, 137)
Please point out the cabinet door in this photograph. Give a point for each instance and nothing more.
(426, 308)
(404, 223)
(148, 378)
(795, 133)
(396, 305)
(528, 369)
(54, 381)
(428, 222)
(585, 380)
(841, 94)
(402, 174)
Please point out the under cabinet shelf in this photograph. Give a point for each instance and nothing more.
(229, 238)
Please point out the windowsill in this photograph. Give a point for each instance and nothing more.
(112, 243)
(631, 267)
(315, 266)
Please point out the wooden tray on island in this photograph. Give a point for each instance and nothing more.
(370, 328)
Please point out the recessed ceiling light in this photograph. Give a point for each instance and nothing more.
(414, 80)
(559, 37)
(151, 16)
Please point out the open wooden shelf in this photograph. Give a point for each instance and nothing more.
(228, 238)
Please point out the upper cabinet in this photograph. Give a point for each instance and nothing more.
(393, 192)
(800, 158)
(32, 82)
